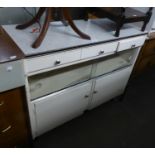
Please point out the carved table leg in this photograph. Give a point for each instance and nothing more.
(35, 19)
(71, 23)
(44, 28)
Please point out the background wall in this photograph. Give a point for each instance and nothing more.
(20, 15)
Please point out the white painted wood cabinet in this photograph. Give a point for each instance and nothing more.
(57, 108)
(57, 95)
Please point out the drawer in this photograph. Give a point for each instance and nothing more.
(131, 43)
(12, 75)
(99, 50)
(47, 61)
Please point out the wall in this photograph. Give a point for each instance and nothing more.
(19, 15)
(14, 15)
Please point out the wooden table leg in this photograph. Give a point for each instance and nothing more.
(44, 28)
(119, 25)
(34, 20)
(71, 23)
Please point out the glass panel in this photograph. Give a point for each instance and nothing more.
(52, 81)
(123, 59)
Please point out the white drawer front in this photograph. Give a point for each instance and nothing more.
(131, 43)
(11, 75)
(43, 62)
(98, 50)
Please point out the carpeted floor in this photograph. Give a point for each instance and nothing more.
(130, 123)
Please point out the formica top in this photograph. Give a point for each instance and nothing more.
(60, 37)
(9, 51)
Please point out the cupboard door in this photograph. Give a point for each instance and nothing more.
(57, 108)
(109, 86)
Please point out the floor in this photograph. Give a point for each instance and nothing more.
(130, 123)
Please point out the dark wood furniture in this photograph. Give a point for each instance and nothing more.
(14, 119)
(8, 49)
(121, 16)
(65, 15)
(146, 58)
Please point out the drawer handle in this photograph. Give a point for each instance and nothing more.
(57, 62)
(133, 46)
(101, 52)
(2, 102)
(5, 130)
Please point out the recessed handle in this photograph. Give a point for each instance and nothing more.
(101, 52)
(57, 62)
(5, 130)
(1, 103)
(133, 46)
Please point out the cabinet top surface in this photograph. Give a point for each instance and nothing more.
(60, 37)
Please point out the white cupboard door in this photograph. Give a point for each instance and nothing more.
(109, 86)
(57, 108)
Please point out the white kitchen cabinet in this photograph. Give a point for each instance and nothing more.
(57, 108)
(109, 86)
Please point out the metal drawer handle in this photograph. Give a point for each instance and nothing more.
(101, 52)
(57, 62)
(5, 130)
(133, 46)
(2, 102)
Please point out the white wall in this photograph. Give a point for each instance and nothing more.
(14, 15)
